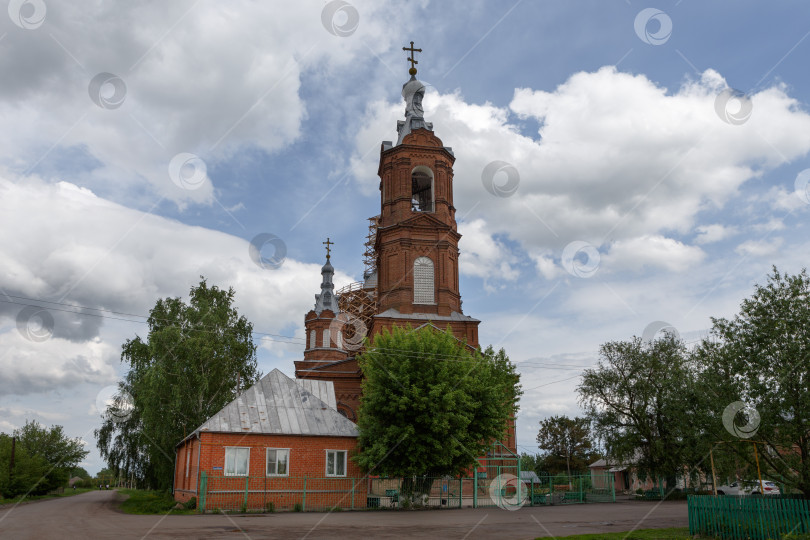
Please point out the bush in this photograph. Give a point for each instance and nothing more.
(191, 504)
(298, 508)
(270, 507)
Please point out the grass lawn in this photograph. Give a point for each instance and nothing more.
(68, 493)
(681, 533)
(141, 501)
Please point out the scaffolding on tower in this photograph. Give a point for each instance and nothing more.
(359, 299)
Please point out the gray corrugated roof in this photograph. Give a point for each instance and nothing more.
(278, 405)
(529, 476)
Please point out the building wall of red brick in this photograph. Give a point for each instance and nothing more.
(307, 459)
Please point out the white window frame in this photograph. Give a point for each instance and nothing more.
(420, 289)
(336, 453)
(267, 461)
(225, 465)
(188, 458)
(312, 339)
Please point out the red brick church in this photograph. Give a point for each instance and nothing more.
(411, 278)
(411, 273)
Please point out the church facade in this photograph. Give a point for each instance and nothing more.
(280, 431)
(412, 273)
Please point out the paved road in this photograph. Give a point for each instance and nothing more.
(95, 515)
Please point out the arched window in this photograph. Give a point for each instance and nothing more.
(422, 189)
(423, 281)
(326, 338)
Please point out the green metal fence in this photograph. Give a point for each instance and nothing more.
(494, 486)
(572, 489)
(757, 518)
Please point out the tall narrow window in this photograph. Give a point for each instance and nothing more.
(422, 190)
(312, 343)
(423, 281)
(326, 338)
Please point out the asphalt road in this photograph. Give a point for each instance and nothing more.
(95, 515)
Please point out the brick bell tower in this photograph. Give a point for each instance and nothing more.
(412, 256)
(417, 239)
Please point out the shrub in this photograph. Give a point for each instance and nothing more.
(191, 504)
(298, 508)
(270, 507)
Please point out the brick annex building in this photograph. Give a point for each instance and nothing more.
(411, 278)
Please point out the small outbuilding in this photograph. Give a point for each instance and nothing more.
(265, 445)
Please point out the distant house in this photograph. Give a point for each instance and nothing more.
(73, 481)
(530, 477)
(260, 447)
(623, 477)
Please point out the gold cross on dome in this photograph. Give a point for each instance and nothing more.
(328, 247)
(412, 60)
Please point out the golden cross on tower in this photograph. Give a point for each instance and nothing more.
(412, 60)
(328, 247)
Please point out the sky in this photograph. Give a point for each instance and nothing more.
(620, 166)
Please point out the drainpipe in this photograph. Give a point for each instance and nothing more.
(174, 473)
(199, 451)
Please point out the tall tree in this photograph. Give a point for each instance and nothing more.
(566, 443)
(195, 360)
(762, 357)
(640, 398)
(430, 405)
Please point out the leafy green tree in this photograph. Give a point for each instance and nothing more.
(762, 357)
(43, 459)
(531, 462)
(28, 475)
(567, 444)
(641, 401)
(196, 358)
(81, 472)
(430, 405)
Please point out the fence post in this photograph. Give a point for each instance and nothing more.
(460, 490)
(475, 488)
(247, 481)
(613, 487)
(203, 488)
(352, 483)
(304, 502)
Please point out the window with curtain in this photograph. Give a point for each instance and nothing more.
(336, 463)
(277, 461)
(236, 461)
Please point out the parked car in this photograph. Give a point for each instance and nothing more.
(749, 487)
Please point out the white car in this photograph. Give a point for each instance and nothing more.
(749, 487)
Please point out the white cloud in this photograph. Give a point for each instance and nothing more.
(30, 367)
(760, 248)
(652, 252)
(63, 244)
(483, 256)
(619, 160)
(708, 234)
(199, 78)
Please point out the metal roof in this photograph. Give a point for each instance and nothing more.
(323, 390)
(278, 405)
